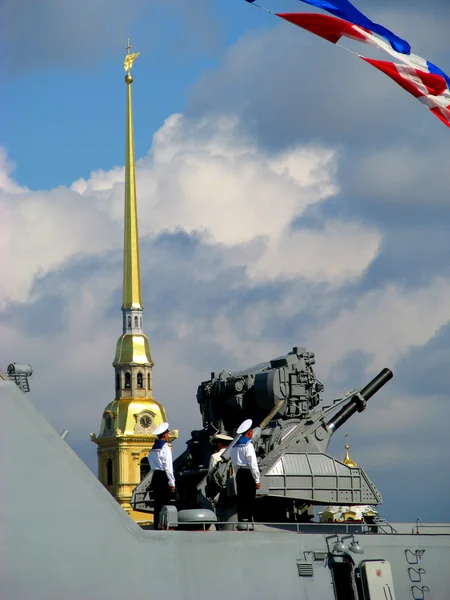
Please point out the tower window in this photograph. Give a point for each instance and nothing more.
(148, 381)
(129, 321)
(145, 467)
(140, 318)
(139, 380)
(136, 321)
(109, 472)
(127, 380)
(117, 381)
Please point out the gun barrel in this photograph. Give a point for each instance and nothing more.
(356, 403)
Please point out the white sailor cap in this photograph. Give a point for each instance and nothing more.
(222, 437)
(244, 427)
(161, 429)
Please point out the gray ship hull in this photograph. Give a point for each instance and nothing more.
(65, 537)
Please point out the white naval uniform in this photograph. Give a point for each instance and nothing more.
(161, 460)
(245, 456)
(245, 464)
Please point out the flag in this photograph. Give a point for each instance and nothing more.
(329, 28)
(345, 10)
(419, 77)
(434, 69)
(428, 88)
(333, 29)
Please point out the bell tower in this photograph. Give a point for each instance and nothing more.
(126, 430)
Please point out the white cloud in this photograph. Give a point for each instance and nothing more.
(385, 324)
(204, 175)
(200, 176)
(6, 168)
(42, 231)
(233, 290)
(339, 251)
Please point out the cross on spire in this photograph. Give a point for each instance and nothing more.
(129, 59)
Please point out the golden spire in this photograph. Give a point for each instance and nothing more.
(133, 346)
(347, 460)
(131, 269)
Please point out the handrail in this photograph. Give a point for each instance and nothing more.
(436, 526)
(344, 528)
(383, 528)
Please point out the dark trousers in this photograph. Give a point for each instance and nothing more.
(246, 493)
(161, 494)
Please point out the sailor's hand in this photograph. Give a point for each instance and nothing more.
(258, 485)
(172, 488)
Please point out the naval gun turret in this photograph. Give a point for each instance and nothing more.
(291, 437)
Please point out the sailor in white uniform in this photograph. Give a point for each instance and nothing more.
(245, 466)
(222, 503)
(222, 441)
(163, 481)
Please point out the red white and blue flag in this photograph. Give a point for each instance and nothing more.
(422, 79)
(345, 10)
(428, 88)
(333, 29)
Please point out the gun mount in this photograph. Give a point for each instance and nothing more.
(229, 398)
(291, 437)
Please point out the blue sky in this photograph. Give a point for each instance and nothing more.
(288, 195)
(78, 111)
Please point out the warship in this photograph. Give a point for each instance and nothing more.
(53, 526)
(317, 533)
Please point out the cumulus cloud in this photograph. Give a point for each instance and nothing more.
(6, 169)
(42, 230)
(202, 176)
(206, 191)
(386, 323)
(242, 258)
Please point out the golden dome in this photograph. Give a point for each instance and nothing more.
(347, 460)
(133, 348)
(133, 417)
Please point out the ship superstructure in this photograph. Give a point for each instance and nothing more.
(77, 542)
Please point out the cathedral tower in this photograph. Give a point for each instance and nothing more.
(126, 430)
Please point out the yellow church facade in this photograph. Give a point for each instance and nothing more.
(126, 430)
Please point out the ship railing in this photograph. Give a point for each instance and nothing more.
(383, 525)
(431, 528)
(299, 528)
